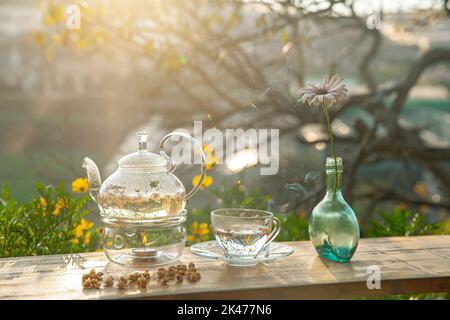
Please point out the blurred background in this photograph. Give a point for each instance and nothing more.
(79, 78)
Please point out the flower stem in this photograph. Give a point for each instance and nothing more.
(330, 132)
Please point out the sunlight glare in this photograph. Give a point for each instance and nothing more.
(242, 159)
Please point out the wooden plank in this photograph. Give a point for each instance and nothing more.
(407, 264)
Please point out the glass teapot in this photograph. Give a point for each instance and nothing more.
(143, 187)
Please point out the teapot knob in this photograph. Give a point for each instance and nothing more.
(142, 141)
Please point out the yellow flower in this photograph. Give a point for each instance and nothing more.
(53, 15)
(48, 20)
(74, 241)
(58, 206)
(144, 238)
(198, 233)
(42, 203)
(78, 231)
(87, 238)
(80, 185)
(84, 225)
(211, 159)
(207, 181)
(39, 38)
(207, 149)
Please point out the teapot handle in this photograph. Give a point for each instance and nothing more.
(172, 162)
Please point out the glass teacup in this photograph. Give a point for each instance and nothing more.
(243, 233)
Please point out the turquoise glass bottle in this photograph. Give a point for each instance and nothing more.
(333, 227)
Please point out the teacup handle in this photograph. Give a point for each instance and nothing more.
(274, 232)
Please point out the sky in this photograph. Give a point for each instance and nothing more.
(16, 18)
(394, 5)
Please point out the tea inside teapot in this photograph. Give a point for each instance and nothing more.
(150, 205)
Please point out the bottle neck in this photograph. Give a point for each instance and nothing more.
(331, 176)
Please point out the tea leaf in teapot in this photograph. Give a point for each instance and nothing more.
(154, 184)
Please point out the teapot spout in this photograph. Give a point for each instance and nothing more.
(94, 178)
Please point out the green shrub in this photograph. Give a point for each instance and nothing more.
(293, 227)
(400, 222)
(50, 223)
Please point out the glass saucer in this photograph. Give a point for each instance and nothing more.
(212, 250)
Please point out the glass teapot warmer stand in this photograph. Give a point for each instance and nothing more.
(144, 243)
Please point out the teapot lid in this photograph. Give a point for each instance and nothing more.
(142, 158)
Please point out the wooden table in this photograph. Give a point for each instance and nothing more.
(407, 264)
